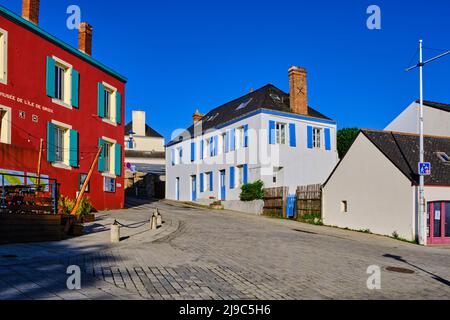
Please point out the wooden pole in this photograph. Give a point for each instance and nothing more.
(86, 182)
(41, 147)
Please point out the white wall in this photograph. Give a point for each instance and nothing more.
(379, 196)
(301, 165)
(146, 144)
(436, 122)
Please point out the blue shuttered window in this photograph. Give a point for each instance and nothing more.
(310, 137)
(101, 100)
(73, 154)
(327, 139)
(75, 89)
(118, 108)
(233, 140)
(118, 160)
(211, 182)
(271, 132)
(245, 178)
(216, 145)
(211, 147)
(192, 151)
(292, 135)
(202, 186)
(232, 176)
(50, 142)
(227, 142)
(101, 159)
(50, 79)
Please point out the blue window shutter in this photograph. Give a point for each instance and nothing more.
(202, 145)
(233, 140)
(211, 181)
(310, 137)
(211, 147)
(202, 187)
(118, 108)
(181, 155)
(246, 136)
(101, 100)
(50, 142)
(232, 174)
(50, 79)
(118, 160)
(327, 139)
(101, 159)
(292, 135)
(245, 178)
(73, 154)
(75, 88)
(271, 132)
(192, 151)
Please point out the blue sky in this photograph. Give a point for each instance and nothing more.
(183, 55)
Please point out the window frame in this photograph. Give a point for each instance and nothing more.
(344, 206)
(5, 124)
(240, 138)
(81, 182)
(112, 181)
(67, 84)
(317, 137)
(3, 56)
(112, 154)
(112, 119)
(280, 129)
(65, 164)
(239, 176)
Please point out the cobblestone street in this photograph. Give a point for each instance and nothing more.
(225, 255)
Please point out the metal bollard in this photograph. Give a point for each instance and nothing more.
(115, 233)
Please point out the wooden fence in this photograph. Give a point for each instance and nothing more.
(309, 200)
(275, 201)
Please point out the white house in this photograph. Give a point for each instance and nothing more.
(375, 186)
(436, 119)
(265, 135)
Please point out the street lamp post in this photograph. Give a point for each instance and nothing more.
(422, 210)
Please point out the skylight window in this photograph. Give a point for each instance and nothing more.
(444, 157)
(244, 104)
(213, 117)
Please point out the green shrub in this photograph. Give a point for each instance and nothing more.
(252, 191)
(312, 218)
(66, 205)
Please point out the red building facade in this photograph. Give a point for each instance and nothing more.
(52, 91)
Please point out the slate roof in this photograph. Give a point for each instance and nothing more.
(436, 105)
(149, 132)
(402, 150)
(145, 154)
(268, 97)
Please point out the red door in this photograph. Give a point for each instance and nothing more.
(439, 222)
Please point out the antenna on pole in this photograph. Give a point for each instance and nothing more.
(422, 208)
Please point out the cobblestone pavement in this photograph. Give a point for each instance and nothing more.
(226, 255)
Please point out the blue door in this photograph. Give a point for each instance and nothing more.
(177, 188)
(222, 185)
(290, 206)
(194, 188)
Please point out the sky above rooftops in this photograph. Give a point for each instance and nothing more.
(184, 55)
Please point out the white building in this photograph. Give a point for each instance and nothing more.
(265, 135)
(436, 119)
(375, 186)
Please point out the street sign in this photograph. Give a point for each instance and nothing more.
(424, 168)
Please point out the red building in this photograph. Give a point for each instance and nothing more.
(52, 91)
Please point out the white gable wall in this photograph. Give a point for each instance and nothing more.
(436, 122)
(379, 197)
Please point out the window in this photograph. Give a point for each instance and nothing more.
(81, 179)
(3, 56)
(60, 144)
(344, 207)
(207, 149)
(63, 85)
(209, 186)
(317, 138)
(108, 103)
(110, 185)
(240, 176)
(240, 138)
(224, 143)
(108, 157)
(5, 125)
(280, 133)
(59, 82)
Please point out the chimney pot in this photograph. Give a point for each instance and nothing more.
(85, 38)
(298, 90)
(197, 116)
(30, 11)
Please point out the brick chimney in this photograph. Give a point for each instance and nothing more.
(197, 116)
(30, 10)
(85, 38)
(138, 120)
(298, 90)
